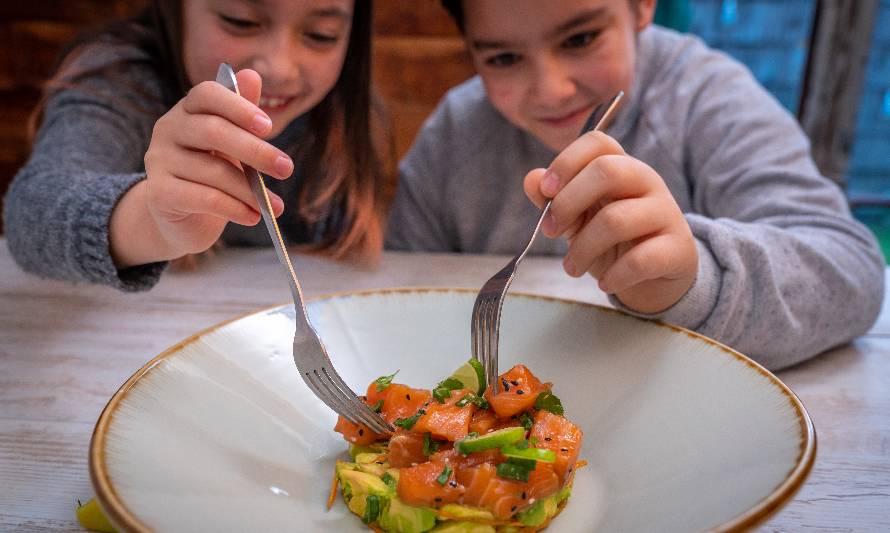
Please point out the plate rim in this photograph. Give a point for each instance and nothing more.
(124, 519)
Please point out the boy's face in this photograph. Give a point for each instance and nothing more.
(297, 46)
(547, 65)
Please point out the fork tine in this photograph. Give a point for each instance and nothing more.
(319, 381)
(491, 324)
(315, 382)
(372, 419)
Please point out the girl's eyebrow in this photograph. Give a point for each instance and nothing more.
(324, 12)
(578, 20)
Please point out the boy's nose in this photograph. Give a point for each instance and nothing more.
(553, 84)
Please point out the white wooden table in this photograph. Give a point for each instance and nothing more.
(65, 349)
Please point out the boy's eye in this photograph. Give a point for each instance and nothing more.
(580, 40)
(502, 60)
(239, 23)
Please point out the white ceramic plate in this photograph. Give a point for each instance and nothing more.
(219, 433)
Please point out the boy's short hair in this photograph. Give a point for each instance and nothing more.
(455, 8)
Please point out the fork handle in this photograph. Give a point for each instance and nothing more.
(262, 196)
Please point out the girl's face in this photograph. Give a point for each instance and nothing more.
(546, 65)
(297, 46)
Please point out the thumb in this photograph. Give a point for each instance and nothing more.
(250, 85)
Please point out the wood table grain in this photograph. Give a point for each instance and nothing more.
(65, 349)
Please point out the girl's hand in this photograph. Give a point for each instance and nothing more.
(195, 184)
(623, 225)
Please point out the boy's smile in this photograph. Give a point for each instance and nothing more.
(546, 65)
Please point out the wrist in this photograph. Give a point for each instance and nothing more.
(133, 234)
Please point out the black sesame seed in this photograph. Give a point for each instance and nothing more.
(514, 382)
(564, 449)
(524, 495)
(512, 509)
(361, 432)
(520, 391)
(438, 499)
(452, 483)
(506, 386)
(407, 396)
(570, 469)
(548, 439)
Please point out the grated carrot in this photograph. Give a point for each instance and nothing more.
(333, 494)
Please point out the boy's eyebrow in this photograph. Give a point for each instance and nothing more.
(578, 20)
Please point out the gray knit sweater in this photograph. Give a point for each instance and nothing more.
(784, 271)
(88, 152)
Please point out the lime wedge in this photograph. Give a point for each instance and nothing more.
(472, 376)
(91, 517)
(495, 439)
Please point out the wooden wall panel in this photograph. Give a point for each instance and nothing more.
(418, 54)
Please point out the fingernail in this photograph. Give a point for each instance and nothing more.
(550, 184)
(549, 224)
(569, 267)
(277, 204)
(261, 124)
(284, 166)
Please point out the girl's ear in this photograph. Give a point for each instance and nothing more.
(645, 10)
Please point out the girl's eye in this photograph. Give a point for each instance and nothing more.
(323, 38)
(580, 40)
(502, 60)
(238, 23)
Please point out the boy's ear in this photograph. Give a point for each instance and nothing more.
(645, 12)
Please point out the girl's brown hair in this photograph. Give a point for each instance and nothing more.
(345, 160)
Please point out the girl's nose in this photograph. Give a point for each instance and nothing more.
(279, 62)
(553, 83)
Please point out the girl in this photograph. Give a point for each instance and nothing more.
(135, 162)
(701, 206)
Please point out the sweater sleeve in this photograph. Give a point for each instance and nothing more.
(88, 153)
(785, 272)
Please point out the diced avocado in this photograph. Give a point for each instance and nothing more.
(462, 527)
(369, 463)
(564, 494)
(403, 518)
(534, 515)
(495, 439)
(540, 511)
(355, 449)
(465, 512)
(357, 486)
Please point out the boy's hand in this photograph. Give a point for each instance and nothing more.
(623, 225)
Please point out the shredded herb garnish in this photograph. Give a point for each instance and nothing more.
(372, 509)
(443, 477)
(429, 445)
(407, 423)
(526, 421)
(378, 406)
(547, 401)
(384, 381)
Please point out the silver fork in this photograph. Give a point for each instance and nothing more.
(309, 352)
(485, 323)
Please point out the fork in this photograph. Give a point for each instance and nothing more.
(485, 323)
(309, 351)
